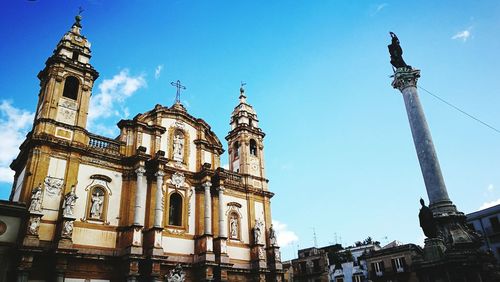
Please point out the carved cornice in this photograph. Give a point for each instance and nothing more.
(405, 77)
(244, 128)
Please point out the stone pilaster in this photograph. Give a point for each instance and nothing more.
(274, 263)
(405, 80)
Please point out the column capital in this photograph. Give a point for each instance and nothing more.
(221, 189)
(405, 77)
(140, 171)
(207, 185)
(160, 173)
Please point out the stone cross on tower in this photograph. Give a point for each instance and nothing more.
(179, 87)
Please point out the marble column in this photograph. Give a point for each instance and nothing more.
(159, 199)
(222, 216)
(208, 208)
(140, 198)
(405, 80)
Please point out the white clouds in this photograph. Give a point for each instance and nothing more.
(285, 237)
(158, 70)
(490, 188)
(14, 124)
(490, 204)
(378, 8)
(463, 35)
(110, 101)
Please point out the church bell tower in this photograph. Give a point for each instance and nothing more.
(245, 143)
(65, 88)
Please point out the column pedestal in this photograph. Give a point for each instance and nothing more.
(31, 239)
(66, 233)
(153, 241)
(133, 235)
(258, 255)
(274, 264)
(204, 248)
(221, 258)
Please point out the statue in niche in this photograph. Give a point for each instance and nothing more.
(396, 52)
(427, 221)
(36, 199)
(257, 231)
(234, 226)
(97, 201)
(176, 274)
(178, 154)
(69, 202)
(272, 236)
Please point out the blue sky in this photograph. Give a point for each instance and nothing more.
(338, 148)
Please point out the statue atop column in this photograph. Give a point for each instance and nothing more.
(257, 231)
(36, 199)
(272, 236)
(427, 221)
(69, 202)
(396, 52)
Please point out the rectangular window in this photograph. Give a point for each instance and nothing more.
(303, 267)
(316, 266)
(357, 278)
(398, 264)
(495, 225)
(379, 268)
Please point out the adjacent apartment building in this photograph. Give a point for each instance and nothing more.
(392, 263)
(487, 223)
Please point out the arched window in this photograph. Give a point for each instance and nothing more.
(175, 210)
(236, 149)
(234, 226)
(253, 147)
(71, 87)
(97, 203)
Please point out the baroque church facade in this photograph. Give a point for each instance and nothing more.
(152, 204)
